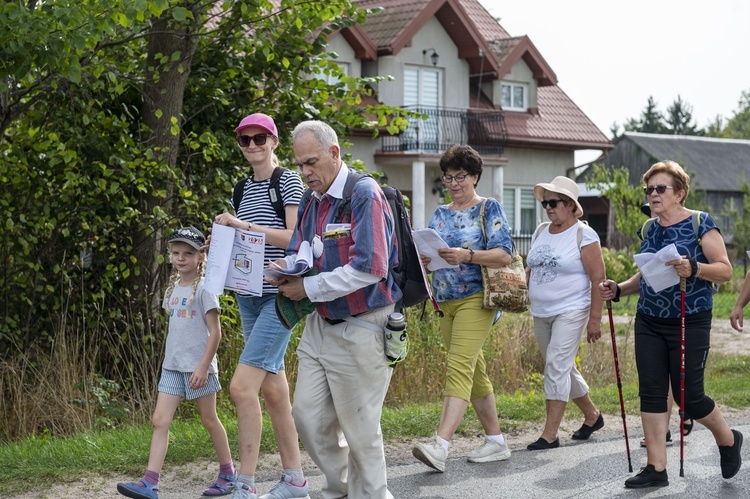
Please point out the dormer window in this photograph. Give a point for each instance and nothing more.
(514, 96)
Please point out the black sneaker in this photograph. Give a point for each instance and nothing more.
(648, 477)
(731, 460)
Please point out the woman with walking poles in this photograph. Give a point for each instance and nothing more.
(565, 267)
(672, 326)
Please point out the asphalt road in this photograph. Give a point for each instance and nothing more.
(594, 469)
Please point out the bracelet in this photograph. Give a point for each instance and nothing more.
(693, 267)
(700, 267)
(471, 255)
(249, 225)
(617, 293)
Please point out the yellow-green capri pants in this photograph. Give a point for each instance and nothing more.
(465, 327)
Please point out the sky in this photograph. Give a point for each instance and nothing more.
(609, 57)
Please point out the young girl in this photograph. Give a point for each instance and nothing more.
(189, 369)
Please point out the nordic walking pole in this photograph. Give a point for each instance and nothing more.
(682, 374)
(619, 383)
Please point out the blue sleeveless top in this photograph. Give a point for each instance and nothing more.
(698, 292)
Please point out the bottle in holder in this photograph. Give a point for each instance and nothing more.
(396, 345)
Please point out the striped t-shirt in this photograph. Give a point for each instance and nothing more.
(256, 207)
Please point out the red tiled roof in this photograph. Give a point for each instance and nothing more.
(558, 121)
(385, 26)
(487, 26)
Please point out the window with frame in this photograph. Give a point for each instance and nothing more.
(514, 96)
(519, 205)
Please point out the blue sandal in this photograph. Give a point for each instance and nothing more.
(216, 489)
(137, 491)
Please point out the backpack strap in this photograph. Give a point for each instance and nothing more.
(239, 189)
(274, 193)
(695, 218)
(579, 233)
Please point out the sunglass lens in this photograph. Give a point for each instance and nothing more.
(259, 139)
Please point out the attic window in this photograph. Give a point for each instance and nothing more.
(514, 96)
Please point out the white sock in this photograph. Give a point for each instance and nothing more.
(499, 438)
(446, 444)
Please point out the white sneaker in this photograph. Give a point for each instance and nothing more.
(244, 491)
(432, 454)
(285, 489)
(489, 451)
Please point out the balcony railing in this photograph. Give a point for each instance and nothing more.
(484, 130)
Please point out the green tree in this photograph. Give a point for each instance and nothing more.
(680, 119)
(116, 124)
(650, 121)
(624, 200)
(738, 126)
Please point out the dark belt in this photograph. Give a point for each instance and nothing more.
(333, 322)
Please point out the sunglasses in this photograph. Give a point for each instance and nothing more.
(258, 138)
(552, 203)
(660, 189)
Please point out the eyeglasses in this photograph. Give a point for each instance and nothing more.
(660, 189)
(552, 203)
(258, 138)
(458, 178)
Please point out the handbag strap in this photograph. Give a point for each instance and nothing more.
(481, 220)
(513, 250)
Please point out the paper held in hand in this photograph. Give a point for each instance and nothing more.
(302, 263)
(235, 261)
(654, 268)
(428, 242)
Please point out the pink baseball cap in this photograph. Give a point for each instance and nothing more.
(260, 120)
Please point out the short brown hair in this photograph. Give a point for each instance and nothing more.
(680, 177)
(462, 157)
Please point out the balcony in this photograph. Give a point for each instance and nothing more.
(484, 130)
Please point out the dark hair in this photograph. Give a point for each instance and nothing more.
(461, 157)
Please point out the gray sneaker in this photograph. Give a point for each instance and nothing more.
(488, 452)
(432, 454)
(285, 489)
(243, 490)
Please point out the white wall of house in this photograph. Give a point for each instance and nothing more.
(338, 44)
(454, 71)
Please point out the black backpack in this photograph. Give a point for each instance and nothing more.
(274, 193)
(408, 274)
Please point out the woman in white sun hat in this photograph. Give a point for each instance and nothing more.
(565, 266)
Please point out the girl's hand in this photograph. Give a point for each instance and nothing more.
(199, 378)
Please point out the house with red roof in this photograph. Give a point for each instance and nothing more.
(477, 85)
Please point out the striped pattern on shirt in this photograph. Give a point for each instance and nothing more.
(255, 207)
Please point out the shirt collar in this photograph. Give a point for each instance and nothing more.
(337, 187)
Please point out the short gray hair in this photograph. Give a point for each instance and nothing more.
(323, 133)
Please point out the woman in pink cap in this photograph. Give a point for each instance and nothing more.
(266, 203)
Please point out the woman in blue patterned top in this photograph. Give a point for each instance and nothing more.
(657, 323)
(466, 325)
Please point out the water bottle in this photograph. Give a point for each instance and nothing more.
(396, 345)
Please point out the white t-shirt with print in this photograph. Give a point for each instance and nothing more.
(559, 282)
(188, 329)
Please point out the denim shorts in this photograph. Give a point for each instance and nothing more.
(265, 338)
(178, 383)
